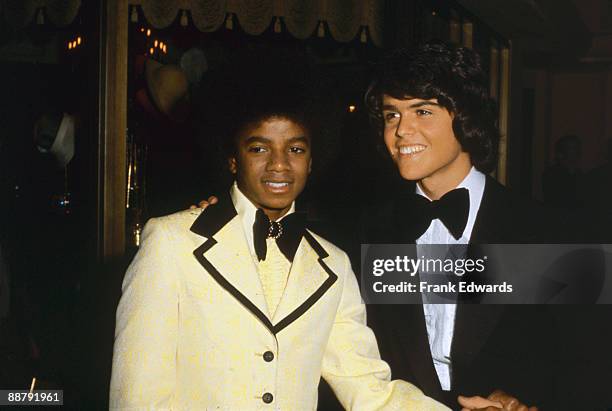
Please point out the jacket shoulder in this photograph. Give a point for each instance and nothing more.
(176, 223)
(506, 217)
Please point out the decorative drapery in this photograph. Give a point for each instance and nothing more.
(19, 13)
(346, 19)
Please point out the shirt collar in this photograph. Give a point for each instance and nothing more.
(246, 210)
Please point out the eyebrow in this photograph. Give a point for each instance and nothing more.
(300, 139)
(415, 105)
(424, 103)
(261, 139)
(256, 139)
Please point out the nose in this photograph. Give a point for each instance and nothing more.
(278, 161)
(405, 127)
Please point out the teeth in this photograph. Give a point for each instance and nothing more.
(411, 149)
(276, 185)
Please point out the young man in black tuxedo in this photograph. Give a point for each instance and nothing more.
(431, 108)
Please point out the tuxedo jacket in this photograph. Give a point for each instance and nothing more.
(192, 331)
(508, 347)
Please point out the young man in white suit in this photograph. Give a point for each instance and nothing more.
(240, 306)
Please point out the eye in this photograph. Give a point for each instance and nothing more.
(390, 115)
(421, 112)
(297, 150)
(256, 149)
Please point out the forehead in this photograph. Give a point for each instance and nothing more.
(274, 128)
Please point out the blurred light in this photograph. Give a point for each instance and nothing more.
(78, 40)
(136, 231)
(69, 45)
(142, 29)
(161, 44)
(155, 43)
(433, 13)
(151, 50)
(352, 108)
(164, 48)
(148, 32)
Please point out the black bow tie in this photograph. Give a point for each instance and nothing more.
(288, 233)
(452, 209)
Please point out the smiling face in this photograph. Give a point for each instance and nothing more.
(419, 136)
(272, 163)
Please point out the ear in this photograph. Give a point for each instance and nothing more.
(232, 164)
(309, 166)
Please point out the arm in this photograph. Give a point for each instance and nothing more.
(498, 400)
(143, 376)
(352, 364)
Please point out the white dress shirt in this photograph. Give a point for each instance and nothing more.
(440, 318)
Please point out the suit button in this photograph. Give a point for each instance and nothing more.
(268, 356)
(267, 398)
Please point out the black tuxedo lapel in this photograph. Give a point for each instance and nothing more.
(414, 337)
(492, 215)
(484, 226)
(473, 324)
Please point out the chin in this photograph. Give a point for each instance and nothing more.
(277, 203)
(411, 174)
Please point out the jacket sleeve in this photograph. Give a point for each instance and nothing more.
(352, 364)
(143, 374)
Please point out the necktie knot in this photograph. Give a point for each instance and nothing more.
(275, 229)
(287, 233)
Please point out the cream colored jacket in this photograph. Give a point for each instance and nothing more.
(192, 333)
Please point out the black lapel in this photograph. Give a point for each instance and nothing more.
(474, 323)
(331, 279)
(199, 254)
(416, 333)
(406, 322)
(413, 334)
(216, 217)
(487, 224)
